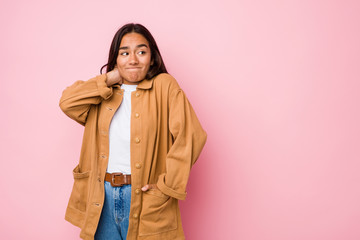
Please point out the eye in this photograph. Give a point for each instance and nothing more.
(142, 52)
(124, 54)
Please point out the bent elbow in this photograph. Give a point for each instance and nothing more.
(72, 113)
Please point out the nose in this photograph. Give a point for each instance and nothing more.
(133, 59)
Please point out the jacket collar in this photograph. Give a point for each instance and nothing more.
(144, 84)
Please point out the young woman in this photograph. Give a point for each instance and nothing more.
(140, 141)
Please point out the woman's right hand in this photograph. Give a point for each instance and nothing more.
(113, 77)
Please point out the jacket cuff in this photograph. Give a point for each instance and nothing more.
(169, 191)
(104, 90)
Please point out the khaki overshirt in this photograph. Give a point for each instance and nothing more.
(166, 139)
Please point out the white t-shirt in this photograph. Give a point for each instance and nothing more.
(119, 135)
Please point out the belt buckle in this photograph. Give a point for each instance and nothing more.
(113, 175)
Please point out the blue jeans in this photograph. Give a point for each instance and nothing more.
(114, 219)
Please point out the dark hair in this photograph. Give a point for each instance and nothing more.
(158, 65)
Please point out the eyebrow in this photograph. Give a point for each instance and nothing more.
(138, 46)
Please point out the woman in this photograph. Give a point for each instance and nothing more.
(140, 141)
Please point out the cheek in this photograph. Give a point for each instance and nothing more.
(147, 62)
(118, 61)
(120, 65)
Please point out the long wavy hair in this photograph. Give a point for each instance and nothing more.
(158, 65)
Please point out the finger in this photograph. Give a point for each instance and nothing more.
(145, 188)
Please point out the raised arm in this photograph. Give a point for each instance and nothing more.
(77, 99)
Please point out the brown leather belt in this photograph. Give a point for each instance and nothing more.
(118, 179)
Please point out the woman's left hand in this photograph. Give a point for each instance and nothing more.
(149, 186)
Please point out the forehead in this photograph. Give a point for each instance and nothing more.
(133, 40)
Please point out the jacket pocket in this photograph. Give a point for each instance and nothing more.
(78, 198)
(159, 213)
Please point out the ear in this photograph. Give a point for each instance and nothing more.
(152, 62)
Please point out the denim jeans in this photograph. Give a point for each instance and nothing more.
(114, 219)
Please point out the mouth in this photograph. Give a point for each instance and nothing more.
(133, 68)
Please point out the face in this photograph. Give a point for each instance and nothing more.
(134, 58)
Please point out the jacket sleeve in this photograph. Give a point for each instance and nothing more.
(77, 99)
(189, 139)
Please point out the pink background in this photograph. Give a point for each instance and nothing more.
(274, 83)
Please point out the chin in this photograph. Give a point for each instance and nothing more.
(135, 78)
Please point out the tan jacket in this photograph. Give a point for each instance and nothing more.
(166, 140)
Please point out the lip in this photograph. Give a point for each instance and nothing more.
(133, 68)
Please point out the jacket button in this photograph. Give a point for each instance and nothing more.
(135, 215)
(138, 165)
(137, 115)
(137, 191)
(137, 94)
(137, 140)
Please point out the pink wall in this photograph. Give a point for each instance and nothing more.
(274, 83)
